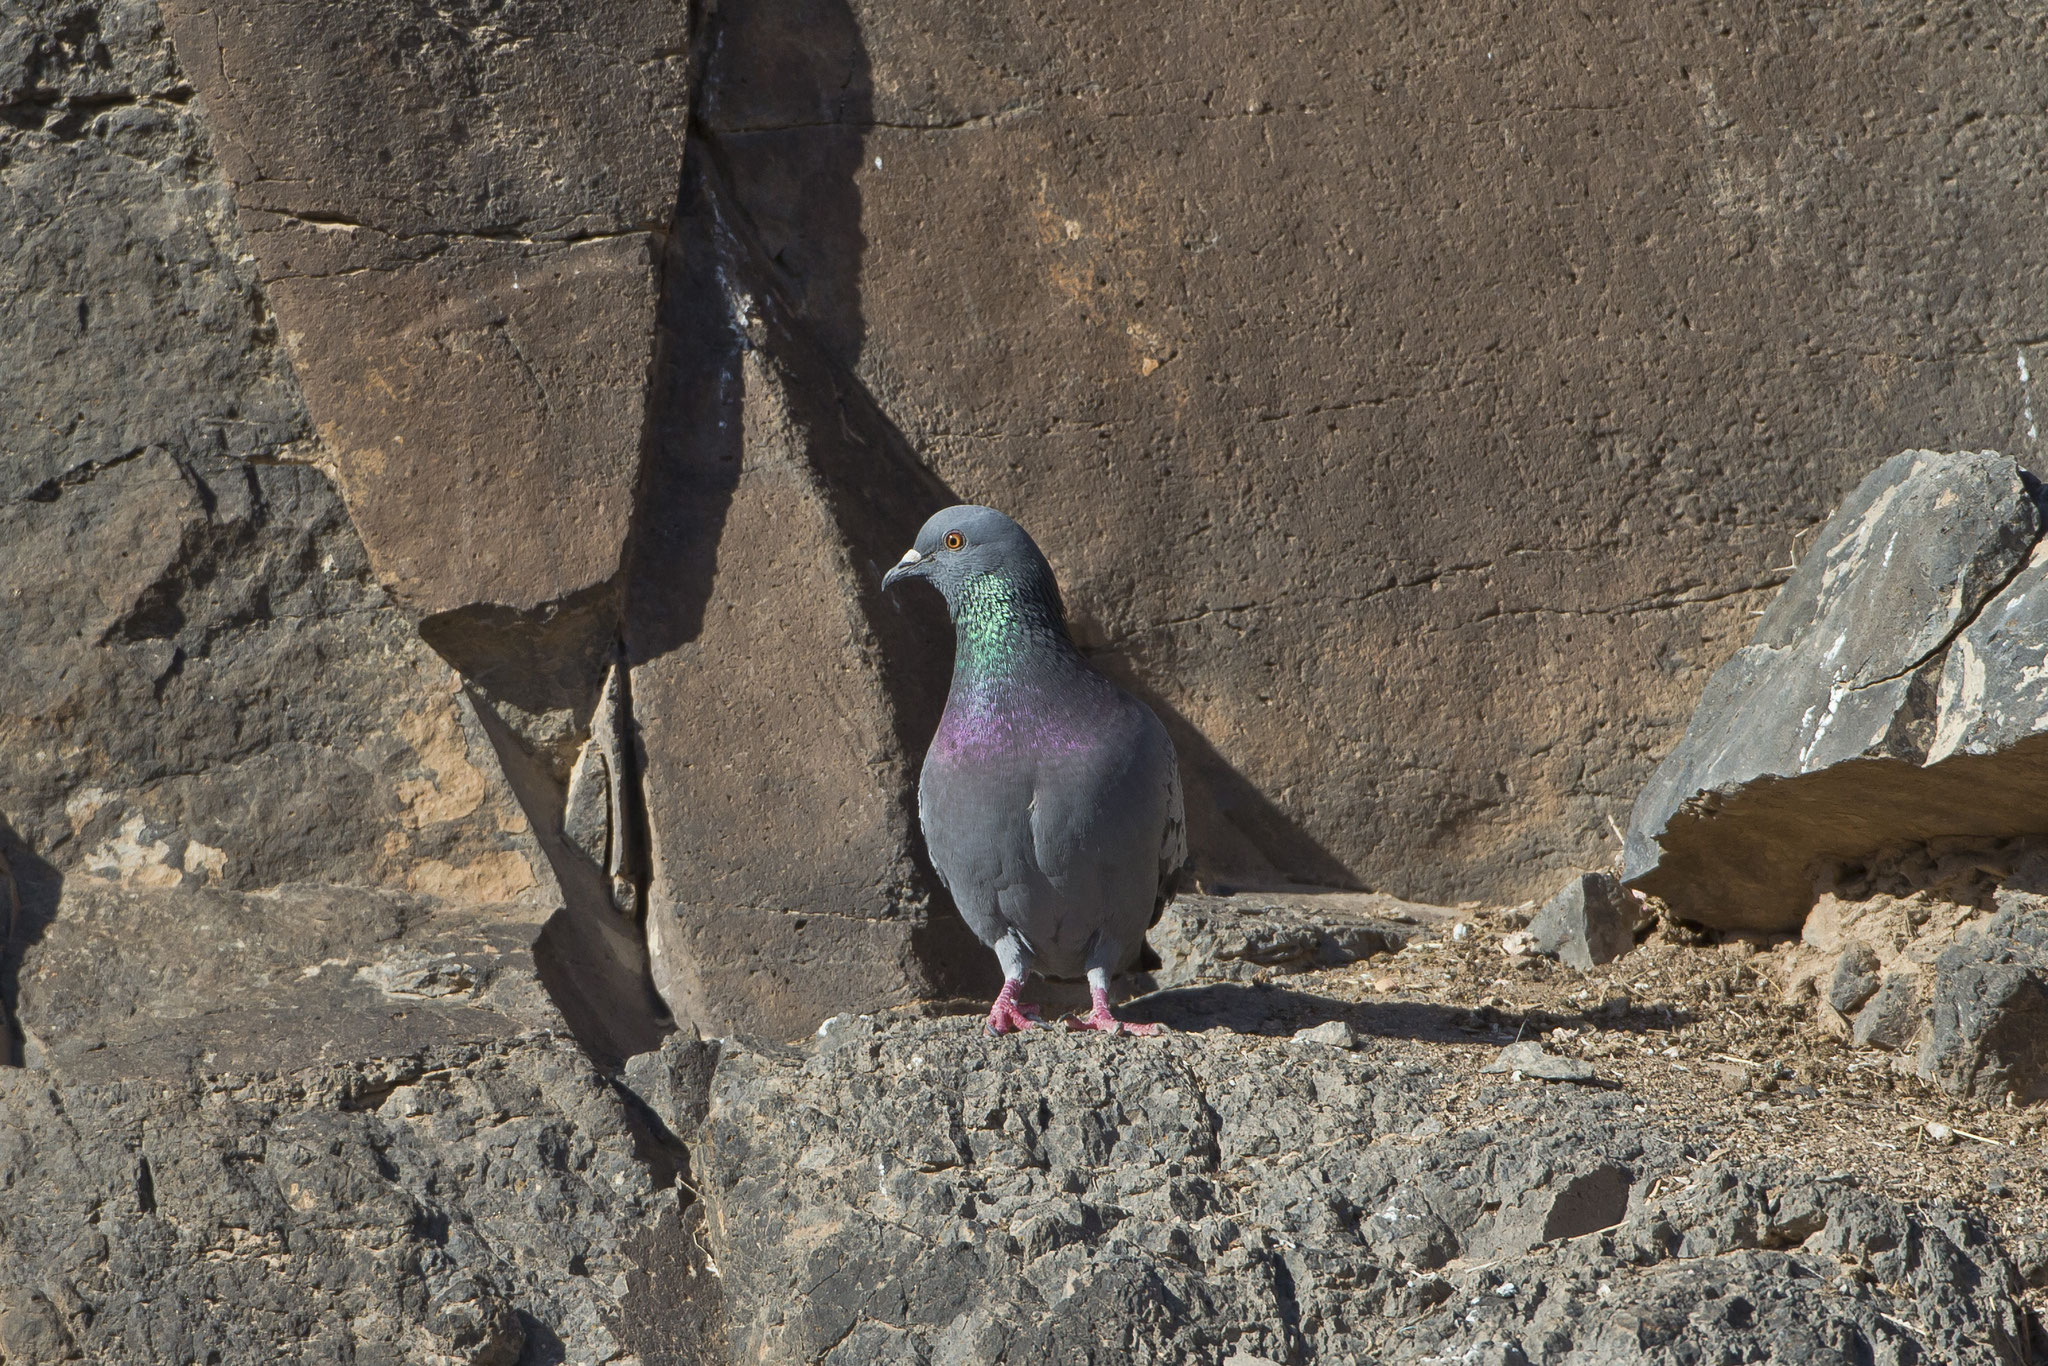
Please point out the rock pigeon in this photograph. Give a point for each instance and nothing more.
(1050, 797)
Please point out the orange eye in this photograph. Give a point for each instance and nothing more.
(954, 540)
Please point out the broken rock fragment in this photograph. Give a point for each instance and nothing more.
(1986, 1033)
(1882, 700)
(1592, 920)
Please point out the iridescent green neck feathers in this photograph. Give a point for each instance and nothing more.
(1002, 624)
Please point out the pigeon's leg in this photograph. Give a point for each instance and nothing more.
(1007, 1016)
(1100, 1017)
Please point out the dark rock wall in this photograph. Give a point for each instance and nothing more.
(208, 690)
(1417, 401)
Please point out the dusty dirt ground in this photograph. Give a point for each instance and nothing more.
(1695, 1030)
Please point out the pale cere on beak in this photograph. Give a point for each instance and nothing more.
(911, 559)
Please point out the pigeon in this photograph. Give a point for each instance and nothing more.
(1050, 797)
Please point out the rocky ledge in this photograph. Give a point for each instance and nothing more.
(913, 1191)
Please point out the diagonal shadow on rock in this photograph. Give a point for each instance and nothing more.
(29, 889)
(1280, 1011)
(785, 109)
(1238, 835)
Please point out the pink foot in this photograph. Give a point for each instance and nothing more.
(1101, 1018)
(1008, 1017)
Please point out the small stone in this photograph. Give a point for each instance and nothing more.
(1520, 944)
(1593, 920)
(1940, 1133)
(1384, 984)
(1461, 931)
(1527, 1059)
(1335, 1033)
(1734, 1078)
(1855, 979)
(1892, 1017)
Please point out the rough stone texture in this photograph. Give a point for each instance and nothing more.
(916, 1192)
(1251, 937)
(435, 1203)
(1415, 405)
(1825, 737)
(1593, 919)
(457, 214)
(1939, 954)
(208, 691)
(1855, 979)
(1987, 1027)
(779, 700)
(1330, 1033)
(1891, 1018)
(294, 972)
(299, 927)
(1994, 690)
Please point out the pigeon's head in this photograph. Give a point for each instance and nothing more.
(966, 543)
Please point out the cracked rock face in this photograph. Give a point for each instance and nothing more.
(471, 1204)
(456, 216)
(283, 950)
(917, 1192)
(1878, 703)
(342, 332)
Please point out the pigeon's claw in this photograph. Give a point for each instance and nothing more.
(1100, 1017)
(1006, 1016)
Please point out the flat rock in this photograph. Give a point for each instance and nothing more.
(1839, 729)
(1530, 1060)
(1255, 935)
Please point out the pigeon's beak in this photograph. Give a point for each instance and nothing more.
(911, 566)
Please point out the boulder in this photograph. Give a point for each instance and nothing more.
(1592, 920)
(1857, 718)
